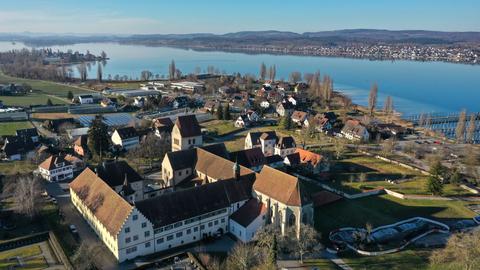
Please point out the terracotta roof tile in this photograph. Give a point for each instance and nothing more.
(105, 204)
(217, 167)
(249, 212)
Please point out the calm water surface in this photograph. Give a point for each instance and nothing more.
(415, 86)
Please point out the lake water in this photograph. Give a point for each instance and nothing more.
(415, 86)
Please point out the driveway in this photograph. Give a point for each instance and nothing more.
(103, 258)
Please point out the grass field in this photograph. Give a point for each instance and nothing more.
(383, 210)
(35, 98)
(28, 255)
(220, 127)
(14, 167)
(9, 128)
(408, 259)
(322, 264)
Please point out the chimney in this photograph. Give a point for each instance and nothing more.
(236, 170)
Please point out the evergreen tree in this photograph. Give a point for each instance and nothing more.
(434, 185)
(220, 112)
(287, 122)
(226, 113)
(49, 102)
(98, 136)
(272, 253)
(70, 95)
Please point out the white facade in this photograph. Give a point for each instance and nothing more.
(283, 152)
(246, 234)
(184, 143)
(61, 172)
(265, 104)
(85, 100)
(126, 144)
(268, 146)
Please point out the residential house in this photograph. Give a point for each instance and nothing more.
(15, 147)
(210, 106)
(77, 163)
(355, 131)
(307, 160)
(193, 87)
(300, 118)
(163, 129)
(56, 168)
(274, 161)
(265, 104)
(139, 102)
(285, 146)
(125, 138)
(186, 133)
(226, 90)
(323, 122)
(253, 139)
(250, 158)
(285, 108)
(28, 133)
(242, 121)
(80, 146)
(267, 143)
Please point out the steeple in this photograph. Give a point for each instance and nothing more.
(127, 190)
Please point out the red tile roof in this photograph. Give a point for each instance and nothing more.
(249, 212)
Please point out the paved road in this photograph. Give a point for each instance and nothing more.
(103, 259)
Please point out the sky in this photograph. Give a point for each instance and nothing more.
(224, 16)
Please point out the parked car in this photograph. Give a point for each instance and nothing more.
(73, 229)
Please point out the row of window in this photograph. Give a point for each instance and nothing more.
(190, 220)
(189, 231)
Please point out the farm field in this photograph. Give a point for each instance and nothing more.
(9, 128)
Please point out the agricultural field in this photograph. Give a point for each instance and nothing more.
(220, 127)
(9, 128)
(34, 98)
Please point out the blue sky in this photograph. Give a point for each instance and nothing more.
(223, 16)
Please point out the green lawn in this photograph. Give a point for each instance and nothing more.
(220, 127)
(35, 98)
(27, 254)
(322, 264)
(408, 259)
(383, 210)
(9, 128)
(45, 87)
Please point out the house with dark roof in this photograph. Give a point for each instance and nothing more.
(56, 168)
(285, 146)
(251, 158)
(28, 133)
(15, 147)
(163, 129)
(125, 138)
(80, 146)
(285, 108)
(116, 173)
(85, 99)
(247, 220)
(186, 133)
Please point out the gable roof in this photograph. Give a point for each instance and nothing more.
(188, 126)
(299, 115)
(81, 141)
(293, 159)
(246, 214)
(176, 206)
(286, 142)
(182, 159)
(308, 157)
(218, 149)
(269, 136)
(51, 162)
(17, 145)
(127, 132)
(27, 132)
(163, 124)
(249, 157)
(280, 186)
(105, 204)
(354, 127)
(219, 168)
(255, 136)
(113, 172)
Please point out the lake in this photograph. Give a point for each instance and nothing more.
(415, 86)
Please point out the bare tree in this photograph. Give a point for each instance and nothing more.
(339, 148)
(272, 73)
(82, 71)
(388, 147)
(388, 107)
(307, 240)
(84, 257)
(26, 194)
(372, 98)
(471, 129)
(461, 252)
(295, 77)
(460, 129)
(242, 257)
(263, 71)
(145, 75)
